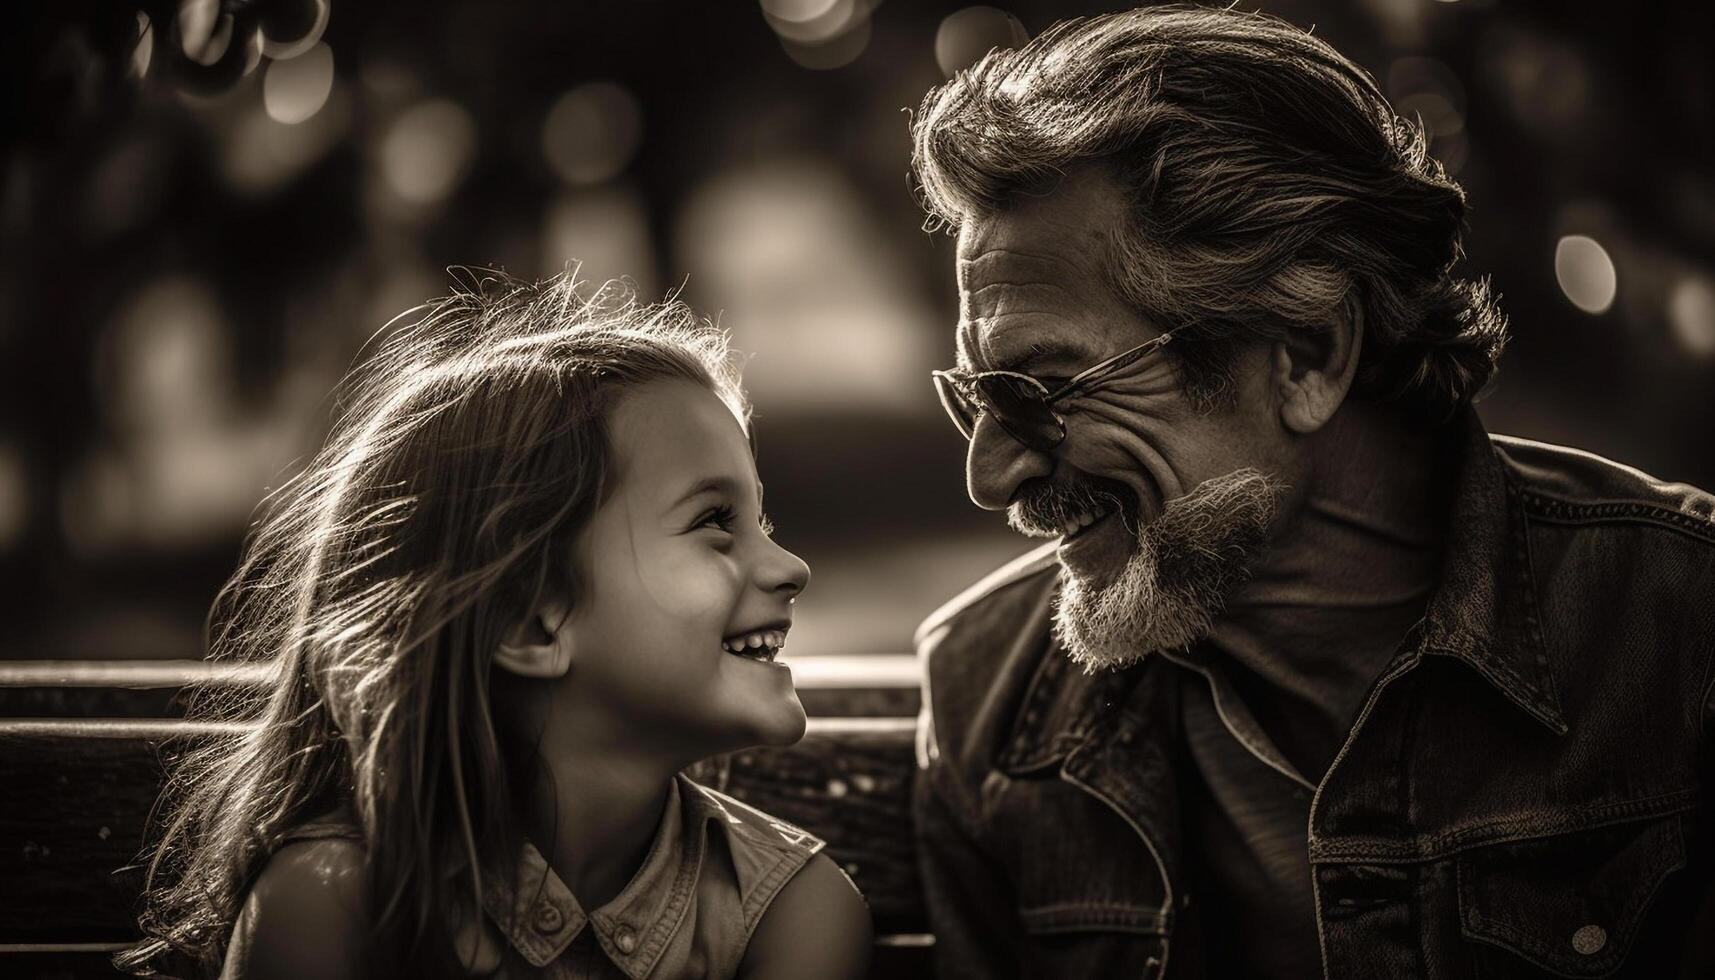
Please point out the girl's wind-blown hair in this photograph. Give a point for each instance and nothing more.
(465, 455)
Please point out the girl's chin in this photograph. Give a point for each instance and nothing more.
(788, 731)
(779, 724)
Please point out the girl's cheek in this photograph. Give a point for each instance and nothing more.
(688, 582)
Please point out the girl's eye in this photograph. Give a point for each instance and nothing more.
(721, 518)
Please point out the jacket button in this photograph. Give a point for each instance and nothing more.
(548, 918)
(625, 939)
(1590, 940)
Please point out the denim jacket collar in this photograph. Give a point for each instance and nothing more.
(1483, 613)
(540, 917)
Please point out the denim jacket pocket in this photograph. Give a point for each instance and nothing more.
(1047, 919)
(1570, 904)
(1089, 940)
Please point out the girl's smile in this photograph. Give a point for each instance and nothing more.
(676, 561)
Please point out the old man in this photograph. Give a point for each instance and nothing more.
(1318, 677)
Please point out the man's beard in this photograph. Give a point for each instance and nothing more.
(1178, 577)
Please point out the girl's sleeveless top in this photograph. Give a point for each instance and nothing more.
(689, 911)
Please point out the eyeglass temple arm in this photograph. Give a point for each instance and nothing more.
(1113, 363)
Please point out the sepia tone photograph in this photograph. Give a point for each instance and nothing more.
(884, 489)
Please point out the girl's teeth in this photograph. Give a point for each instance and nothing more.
(771, 639)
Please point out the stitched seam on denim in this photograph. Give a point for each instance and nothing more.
(1150, 845)
(1622, 932)
(1477, 654)
(1706, 709)
(1322, 851)
(1117, 908)
(1044, 688)
(1076, 918)
(678, 901)
(1258, 751)
(776, 879)
(1562, 511)
(1533, 619)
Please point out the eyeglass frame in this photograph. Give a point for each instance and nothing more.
(959, 380)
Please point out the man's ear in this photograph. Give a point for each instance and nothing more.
(1313, 371)
(541, 646)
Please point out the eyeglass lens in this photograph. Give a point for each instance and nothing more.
(1017, 406)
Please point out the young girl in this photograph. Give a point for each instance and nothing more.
(527, 581)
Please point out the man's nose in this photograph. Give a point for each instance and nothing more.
(997, 463)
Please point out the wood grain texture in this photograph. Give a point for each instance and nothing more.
(80, 791)
(881, 685)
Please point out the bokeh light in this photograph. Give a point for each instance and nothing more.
(797, 11)
(842, 50)
(428, 149)
(144, 52)
(14, 496)
(966, 35)
(163, 357)
(1546, 83)
(592, 132)
(290, 29)
(1691, 313)
(261, 154)
(1585, 273)
(605, 231)
(295, 90)
(815, 22)
(790, 253)
(203, 32)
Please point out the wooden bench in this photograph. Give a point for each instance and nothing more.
(81, 752)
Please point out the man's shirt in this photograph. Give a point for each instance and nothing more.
(1524, 791)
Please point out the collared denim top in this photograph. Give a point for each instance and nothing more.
(713, 868)
(1525, 792)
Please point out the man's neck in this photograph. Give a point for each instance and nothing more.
(1347, 574)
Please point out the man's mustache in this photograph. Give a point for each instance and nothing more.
(1043, 509)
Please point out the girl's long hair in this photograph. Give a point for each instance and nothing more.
(465, 454)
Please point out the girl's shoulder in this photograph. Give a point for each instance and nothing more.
(809, 918)
(306, 913)
(819, 925)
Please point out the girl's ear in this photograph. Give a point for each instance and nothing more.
(541, 646)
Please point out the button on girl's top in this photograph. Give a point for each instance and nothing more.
(689, 911)
(714, 867)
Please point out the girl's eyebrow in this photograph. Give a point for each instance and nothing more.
(716, 484)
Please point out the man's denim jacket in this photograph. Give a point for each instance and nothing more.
(1525, 792)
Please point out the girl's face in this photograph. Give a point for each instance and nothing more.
(678, 566)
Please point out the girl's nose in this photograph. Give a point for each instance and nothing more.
(784, 571)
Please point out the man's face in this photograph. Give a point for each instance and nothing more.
(1183, 497)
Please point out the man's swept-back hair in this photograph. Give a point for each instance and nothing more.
(468, 451)
(1271, 189)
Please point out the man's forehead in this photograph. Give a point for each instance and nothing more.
(980, 267)
(1019, 294)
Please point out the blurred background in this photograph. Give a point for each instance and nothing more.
(193, 250)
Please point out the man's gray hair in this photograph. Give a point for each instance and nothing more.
(1271, 189)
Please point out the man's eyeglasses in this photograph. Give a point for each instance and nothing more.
(1021, 405)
